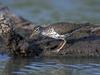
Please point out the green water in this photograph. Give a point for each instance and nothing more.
(51, 11)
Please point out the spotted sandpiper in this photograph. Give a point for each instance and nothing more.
(60, 30)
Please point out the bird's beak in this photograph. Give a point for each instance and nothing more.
(0, 31)
(32, 35)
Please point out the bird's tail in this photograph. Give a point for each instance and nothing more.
(70, 34)
(77, 29)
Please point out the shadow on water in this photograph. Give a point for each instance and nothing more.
(51, 66)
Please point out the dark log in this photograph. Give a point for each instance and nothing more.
(15, 44)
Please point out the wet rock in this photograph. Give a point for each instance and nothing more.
(82, 47)
(21, 24)
(15, 44)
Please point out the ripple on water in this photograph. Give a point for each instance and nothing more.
(48, 67)
(3, 62)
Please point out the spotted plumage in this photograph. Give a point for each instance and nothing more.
(57, 31)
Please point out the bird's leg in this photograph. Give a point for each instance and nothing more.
(61, 46)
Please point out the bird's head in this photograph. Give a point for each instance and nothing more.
(6, 24)
(36, 30)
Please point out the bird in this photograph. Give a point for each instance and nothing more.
(60, 30)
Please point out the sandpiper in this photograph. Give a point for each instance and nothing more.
(60, 30)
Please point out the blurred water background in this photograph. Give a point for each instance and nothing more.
(51, 11)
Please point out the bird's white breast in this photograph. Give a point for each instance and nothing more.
(51, 33)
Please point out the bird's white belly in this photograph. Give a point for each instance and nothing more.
(52, 34)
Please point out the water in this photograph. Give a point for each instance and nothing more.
(51, 11)
(49, 66)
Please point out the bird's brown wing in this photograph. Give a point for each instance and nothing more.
(64, 27)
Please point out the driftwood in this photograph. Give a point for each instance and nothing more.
(85, 43)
